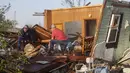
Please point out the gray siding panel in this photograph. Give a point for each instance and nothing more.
(123, 42)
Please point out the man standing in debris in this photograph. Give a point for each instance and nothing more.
(58, 36)
(25, 35)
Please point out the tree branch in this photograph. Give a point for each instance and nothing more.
(73, 3)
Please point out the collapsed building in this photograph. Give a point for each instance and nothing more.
(104, 31)
(108, 23)
(84, 20)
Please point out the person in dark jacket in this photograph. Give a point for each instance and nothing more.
(26, 34)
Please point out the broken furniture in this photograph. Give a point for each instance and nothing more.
(43, 35)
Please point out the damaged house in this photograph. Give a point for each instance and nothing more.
(84, 20)
(104, 28)
(114, 34)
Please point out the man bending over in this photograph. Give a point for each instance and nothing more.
(58, 36)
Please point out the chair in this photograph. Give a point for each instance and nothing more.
(89, 61)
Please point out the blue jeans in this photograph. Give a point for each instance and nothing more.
(19, 41)
(52, 42)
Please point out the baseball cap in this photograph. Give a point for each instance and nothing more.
(53, 26)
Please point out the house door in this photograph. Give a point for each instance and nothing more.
(90, 29)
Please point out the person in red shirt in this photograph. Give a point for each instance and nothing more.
(58, 36)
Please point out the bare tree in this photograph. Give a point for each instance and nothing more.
(74, 3)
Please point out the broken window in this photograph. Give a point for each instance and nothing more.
(113, 28)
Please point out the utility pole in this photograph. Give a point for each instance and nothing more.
(15, 15)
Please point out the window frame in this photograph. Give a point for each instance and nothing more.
(115, 27)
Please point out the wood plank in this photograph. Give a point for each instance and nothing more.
(97, 29)
(44, 35)
(45, 41)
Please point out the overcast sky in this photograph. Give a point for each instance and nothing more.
(25, 8)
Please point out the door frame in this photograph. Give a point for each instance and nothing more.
(84, 32)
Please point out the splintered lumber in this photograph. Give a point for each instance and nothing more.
(42, 33)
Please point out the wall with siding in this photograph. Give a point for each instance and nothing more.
(71, 14)
(123, 42)
(104, 23)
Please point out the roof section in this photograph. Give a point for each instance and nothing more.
(121, 4)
